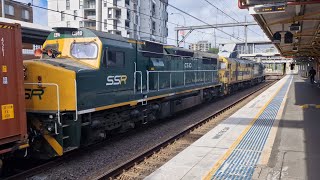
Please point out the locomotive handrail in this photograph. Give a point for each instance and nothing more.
(184, 71)
(175, 55)
(179, 71)
(58, 99)
(135, 78)
(76, 99)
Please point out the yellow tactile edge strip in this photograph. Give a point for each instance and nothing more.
(235, 144)
(306, 106)
(266, 152)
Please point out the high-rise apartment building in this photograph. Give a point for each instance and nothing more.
(17, 11)
(200, 46)
(138, 19)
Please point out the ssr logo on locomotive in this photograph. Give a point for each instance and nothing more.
(116, 80)
(30, 93)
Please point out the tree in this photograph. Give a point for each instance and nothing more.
(213, 50)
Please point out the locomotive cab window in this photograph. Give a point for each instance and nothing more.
(104, 58)
(84, 50)
(115, 59)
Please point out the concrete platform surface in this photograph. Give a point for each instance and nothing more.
(233, 148)
(296, 151)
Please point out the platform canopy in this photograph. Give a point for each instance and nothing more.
(31, 33)
(299, 19)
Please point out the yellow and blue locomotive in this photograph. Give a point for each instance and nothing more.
(236, 74)
(88, 84)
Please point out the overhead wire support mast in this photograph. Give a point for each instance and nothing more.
(215, 26)
(230, 16)
(122, 7)
(239, 39)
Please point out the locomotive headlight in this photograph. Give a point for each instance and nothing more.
(50, 124)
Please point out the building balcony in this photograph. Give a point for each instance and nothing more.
(114, 17)
(114, 7)
(114, 14)
(127, 2)
(90, 17)
(153, 12)
(89, 6)
(127, 24)
(165, 1)
(90, 25)
(135, 7)
(165, 16)
(114, 31)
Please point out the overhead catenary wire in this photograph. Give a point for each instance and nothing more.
(218, 9)
(230, 16)
(198, 19)
(61, 12)
(138, 12)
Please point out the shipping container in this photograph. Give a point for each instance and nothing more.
(13, 123)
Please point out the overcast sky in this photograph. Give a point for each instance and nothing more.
(203, 10)
(198, 8)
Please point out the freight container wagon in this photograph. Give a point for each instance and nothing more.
(13, 124)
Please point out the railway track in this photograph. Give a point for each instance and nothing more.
(134, 168)
(122, 171)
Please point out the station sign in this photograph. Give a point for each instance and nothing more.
(261, 2)
(267, 8)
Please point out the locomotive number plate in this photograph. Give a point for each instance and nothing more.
(7, 111)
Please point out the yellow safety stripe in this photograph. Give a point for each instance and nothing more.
(51, 140)
(24, 146)
(237, 142)
(306, 106)
(135, 42)
(6, 27)
(54, 144)
(133, 103)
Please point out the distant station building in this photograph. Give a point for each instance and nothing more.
(17, 11)
(203, 46)
(138, 19)
(261, 51)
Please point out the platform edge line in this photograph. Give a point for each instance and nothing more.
(236, 143)
(265, 155)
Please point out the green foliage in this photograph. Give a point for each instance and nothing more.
(213, 50)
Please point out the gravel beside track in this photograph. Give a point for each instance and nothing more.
(116, 152)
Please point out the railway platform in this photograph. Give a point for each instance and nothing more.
(274, 136)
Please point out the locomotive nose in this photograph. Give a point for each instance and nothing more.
(45, 87)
